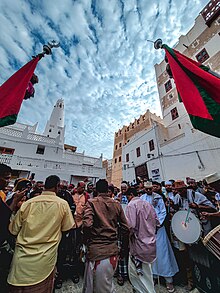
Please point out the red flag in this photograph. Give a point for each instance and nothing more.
(208, 81)
(198, 89)
(12, 92)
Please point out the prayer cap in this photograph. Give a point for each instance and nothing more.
(168, 183)
(148, 184)
(124, 185)
(179, 184)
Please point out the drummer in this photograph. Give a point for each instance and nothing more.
(190, 199)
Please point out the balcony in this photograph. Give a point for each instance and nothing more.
(211, 11)
(10, 131)
(5, 159)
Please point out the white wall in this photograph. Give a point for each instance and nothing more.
(139, 140)
(192, 153)
(54, 160)
(181, 160)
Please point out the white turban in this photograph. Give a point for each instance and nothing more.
(168, 183)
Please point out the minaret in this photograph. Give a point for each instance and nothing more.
(55, 125)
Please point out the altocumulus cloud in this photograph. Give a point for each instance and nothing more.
(104, 69)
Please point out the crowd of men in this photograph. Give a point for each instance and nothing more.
(51, 231)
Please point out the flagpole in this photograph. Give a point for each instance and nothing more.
(47, 49)
(158, 44)
(20, 86)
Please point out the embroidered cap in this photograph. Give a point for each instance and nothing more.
(179, 184)
(148, 184)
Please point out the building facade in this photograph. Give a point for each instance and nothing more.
(172, 148)
(123, 137)
(40, 155)
(107, 164)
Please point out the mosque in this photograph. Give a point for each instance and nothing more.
(37, 156)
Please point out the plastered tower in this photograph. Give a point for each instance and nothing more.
(55, 125)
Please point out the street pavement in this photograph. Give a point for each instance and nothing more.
(69, 287)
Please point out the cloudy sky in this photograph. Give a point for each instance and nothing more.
(104, 69)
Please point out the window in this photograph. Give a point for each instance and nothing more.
(132, 125)
(119, 131)
(59, 132)
(119, 159)
(138, 152)
(115, 160)
(179, 126)
(6, 151)
(116, 134)
(202, 56)
(127, 157)
(143, 117)
(170, 96)
(120, 144)
(138, 121)
(151, 145)
(116, 147)
(49, 130)
(168, 86)
(128, 128)
(174, 113)
(40, 150)
(195, 44)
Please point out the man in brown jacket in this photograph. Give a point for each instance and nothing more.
(102, 218)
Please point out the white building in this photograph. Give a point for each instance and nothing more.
(172, 148)
(40, 155)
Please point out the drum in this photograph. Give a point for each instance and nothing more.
(186, 227)
(212, 241)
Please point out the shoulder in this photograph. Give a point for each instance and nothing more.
(200, 196)
(137, 202)
(157, 196)
(144, 203)
(45, 198)
(197, 193)
(143, 196)
(141, 203)
(91, 202)
(27, 203)
(132, 203)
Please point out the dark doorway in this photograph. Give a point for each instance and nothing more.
(142, 172)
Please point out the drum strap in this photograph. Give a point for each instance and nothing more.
(193, 198)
